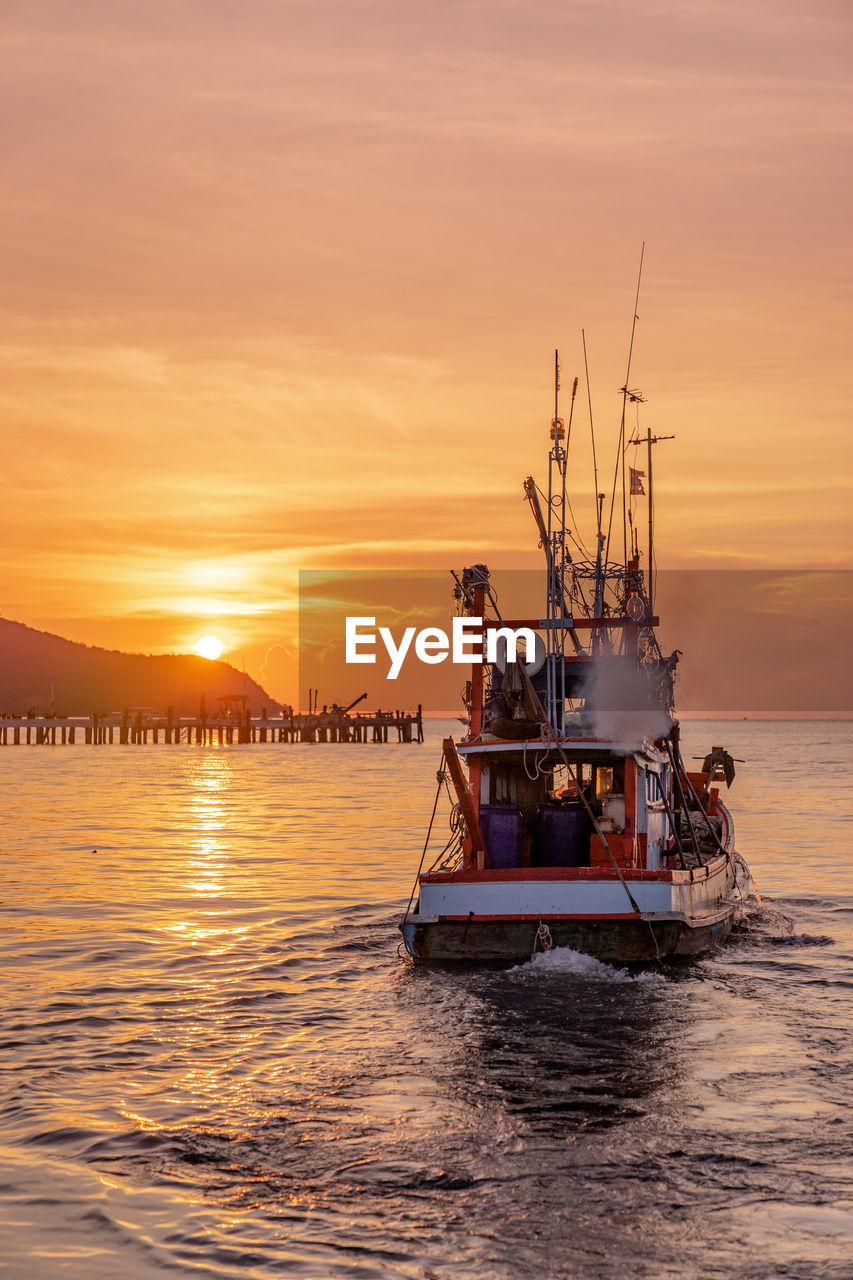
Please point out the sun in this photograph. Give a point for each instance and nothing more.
(209, 647)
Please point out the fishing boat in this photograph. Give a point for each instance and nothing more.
(574, 820)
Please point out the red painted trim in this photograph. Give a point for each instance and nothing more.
(543, 915)
(514, 875)
(606, 743)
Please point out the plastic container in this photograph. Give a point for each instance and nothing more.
(502, 828)
(613, 808)
(562, 836)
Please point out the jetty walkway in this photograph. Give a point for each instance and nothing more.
(140, 729)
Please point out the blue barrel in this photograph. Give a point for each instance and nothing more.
(502, 827)
(562, 837)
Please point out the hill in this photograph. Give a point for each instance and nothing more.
(87, 679)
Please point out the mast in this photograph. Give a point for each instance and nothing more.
(556, 555)
(598, 602)
(558, 615)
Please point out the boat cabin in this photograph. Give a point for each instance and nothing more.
(531, 812)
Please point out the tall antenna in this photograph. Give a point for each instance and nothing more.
(592, 434)
(556, 385)
(620, 455)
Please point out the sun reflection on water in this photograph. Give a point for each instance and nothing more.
(211, 781)
(202, 1035)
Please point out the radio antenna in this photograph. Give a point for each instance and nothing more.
(591, 432)
(620, 454)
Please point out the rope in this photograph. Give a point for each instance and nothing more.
(449, 855)
(439, 779)
(537, 767)
(543, 938)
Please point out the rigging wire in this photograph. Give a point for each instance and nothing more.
(580, 546)
(440, 778)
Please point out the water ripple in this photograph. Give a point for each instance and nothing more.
(215, 1064)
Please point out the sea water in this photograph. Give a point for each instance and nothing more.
(217, 1063)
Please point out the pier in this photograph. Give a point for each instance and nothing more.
(142, 729)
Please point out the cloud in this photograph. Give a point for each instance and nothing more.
(287, 279)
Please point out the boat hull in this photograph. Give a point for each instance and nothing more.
(622, 941)
(637, 917)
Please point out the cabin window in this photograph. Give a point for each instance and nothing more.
(609, 780)
(603, 782)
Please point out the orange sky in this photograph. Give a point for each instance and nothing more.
(283, 279)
